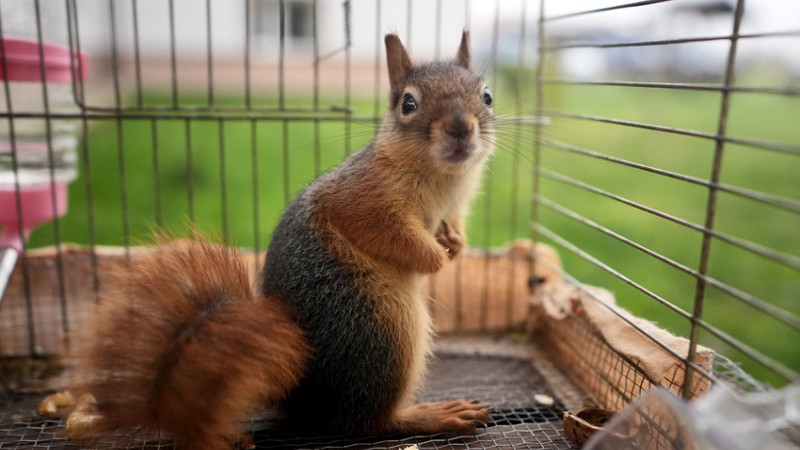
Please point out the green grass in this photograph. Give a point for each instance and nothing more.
(202, 170)
(767, 171)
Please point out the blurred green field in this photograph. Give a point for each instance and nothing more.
(752, 116)
(233, 177)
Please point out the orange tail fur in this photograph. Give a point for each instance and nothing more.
(184, 347)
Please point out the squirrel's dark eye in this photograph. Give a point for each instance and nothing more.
(409, 105)
(487, 97)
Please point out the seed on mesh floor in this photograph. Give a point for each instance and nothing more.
(544, 399)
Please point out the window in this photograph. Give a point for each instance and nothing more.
(298, 20)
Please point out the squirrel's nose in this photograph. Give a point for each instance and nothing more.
(458, 130)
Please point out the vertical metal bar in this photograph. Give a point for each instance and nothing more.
(223, 181)
(315, 39)
(86, 159)
(457, 301)
(114, 55)
(286, 179)
(459, 262)
(76, 64)
(378, 45)
(282, 102)
(57, 221)
(711, 203)
(48, 126)
(515, 171)
(137, 54)
(173, 57)
(281, 54)
(209, 55)
(156, 174)
(248, 100)
(189, 169)
(488, 183)
(255, 184)
(438, 34)
(537, 142)
(347, 77)
(120, 141)
(513, 207)
(409, 20)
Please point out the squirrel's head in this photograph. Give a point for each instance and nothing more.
(440, 113)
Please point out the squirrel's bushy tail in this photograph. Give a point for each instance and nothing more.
(183, 346)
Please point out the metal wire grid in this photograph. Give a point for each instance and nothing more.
(518, 421)
(121, 103)
(510, 383)
(255, 113)
(614, 379)
(708, 289)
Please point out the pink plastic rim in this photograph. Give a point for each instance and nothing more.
(23, 62)
(37, 208)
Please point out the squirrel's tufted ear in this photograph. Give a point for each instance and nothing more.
(462, 57)
(398, 62)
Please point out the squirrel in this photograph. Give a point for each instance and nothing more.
(337, 332)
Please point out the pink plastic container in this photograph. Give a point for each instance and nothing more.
(23, 62)
(34, 149)
(37, 156)
(39, 204)
(37, 150)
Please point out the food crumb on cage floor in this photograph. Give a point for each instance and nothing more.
(513, 386)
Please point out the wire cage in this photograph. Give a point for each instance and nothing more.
(636, 226)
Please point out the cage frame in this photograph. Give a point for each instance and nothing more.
(316, 114)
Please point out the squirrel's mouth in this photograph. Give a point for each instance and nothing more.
(458, 153)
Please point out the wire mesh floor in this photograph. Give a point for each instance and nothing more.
(511, 384)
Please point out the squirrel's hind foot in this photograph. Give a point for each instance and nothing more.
(456, 416)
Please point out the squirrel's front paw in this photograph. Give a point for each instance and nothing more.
(451, 239)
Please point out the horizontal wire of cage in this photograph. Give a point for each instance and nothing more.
(726, 86)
